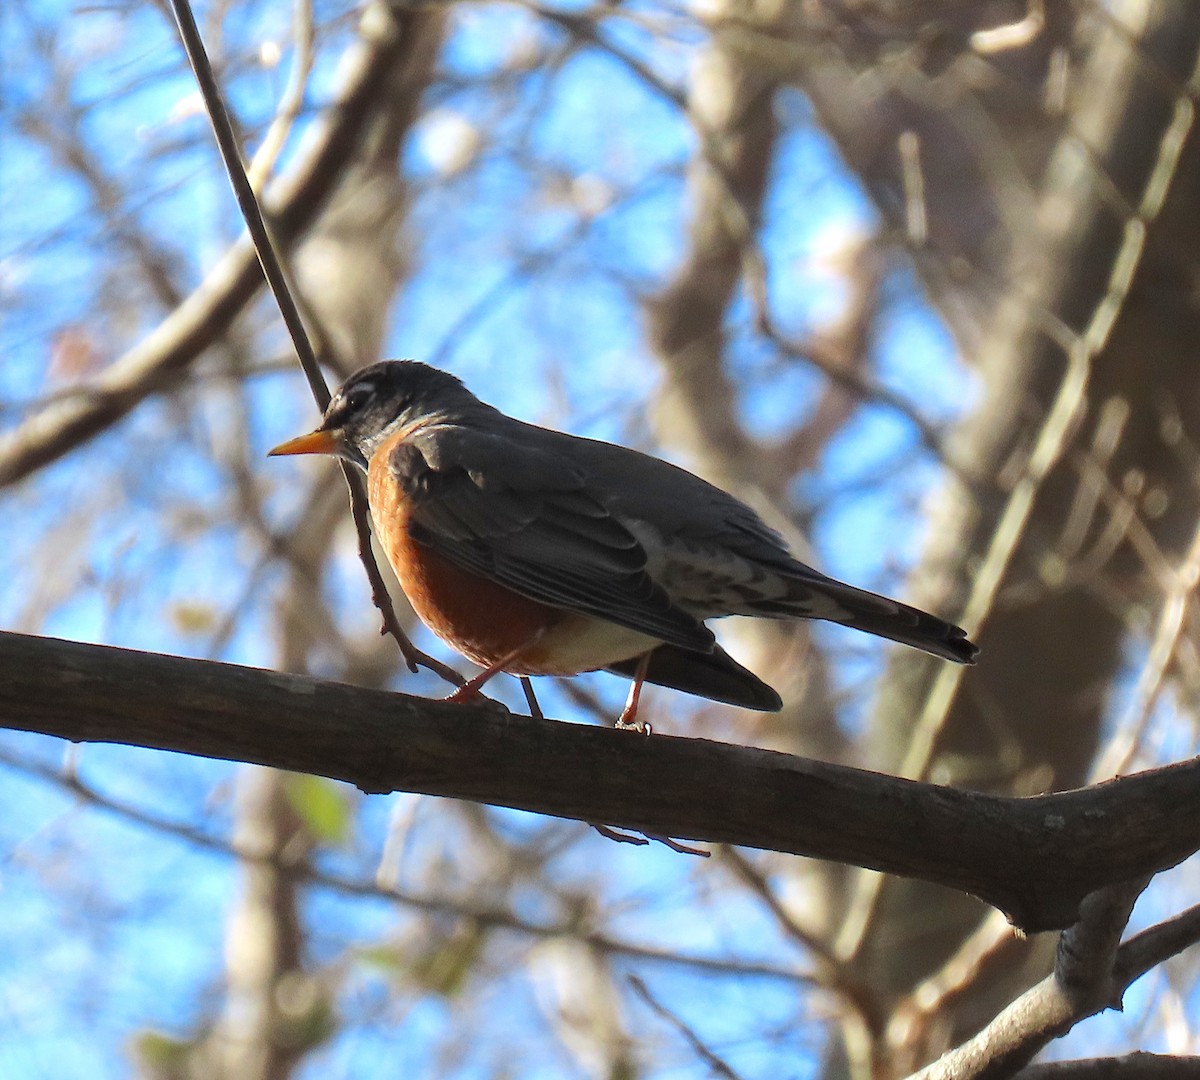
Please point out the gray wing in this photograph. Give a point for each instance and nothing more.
(523, 518)
(718, 551)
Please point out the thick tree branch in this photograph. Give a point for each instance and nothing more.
(1135, 1066)
(1034, 858)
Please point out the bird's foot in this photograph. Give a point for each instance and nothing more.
(472, 695)
(464, 694)
(632, 723)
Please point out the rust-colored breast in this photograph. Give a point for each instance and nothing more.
(479, 618)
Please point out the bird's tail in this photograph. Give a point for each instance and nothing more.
(715, 675)
(820, 597)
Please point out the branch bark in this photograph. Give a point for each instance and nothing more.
(1135, 1066)
(1092, 974)
(1033, 858)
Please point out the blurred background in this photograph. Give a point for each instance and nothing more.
(918, 281)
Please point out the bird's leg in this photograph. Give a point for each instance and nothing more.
(628, 717)
(472, 688)
(535, 710)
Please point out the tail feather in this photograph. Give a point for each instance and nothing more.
(820, 597)
(715, 675)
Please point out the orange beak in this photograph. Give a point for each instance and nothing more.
(315, 442)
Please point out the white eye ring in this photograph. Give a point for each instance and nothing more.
(358, 397)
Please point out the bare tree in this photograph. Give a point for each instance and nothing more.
(541, 199)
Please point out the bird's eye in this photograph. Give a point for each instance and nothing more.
(357, 397)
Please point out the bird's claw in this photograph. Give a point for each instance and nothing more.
(640, 726)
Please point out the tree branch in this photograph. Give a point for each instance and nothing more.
(1135, 1066)
(1092, 973)
(1033, 858)
(381, 55)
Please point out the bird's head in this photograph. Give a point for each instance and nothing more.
(377, 401)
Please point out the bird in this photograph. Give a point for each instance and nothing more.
(535, 552)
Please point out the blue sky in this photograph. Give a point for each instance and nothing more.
(111, 928)
(573, 315)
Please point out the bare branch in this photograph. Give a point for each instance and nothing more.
(265, 247)
(1135, 1066)
(716, 1065)
(464, 907)
(1151, 947)
(1091, 975)
(384, 53)
(1034, 858)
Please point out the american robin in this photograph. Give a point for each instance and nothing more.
(539, 553)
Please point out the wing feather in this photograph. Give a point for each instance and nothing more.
(522, 517)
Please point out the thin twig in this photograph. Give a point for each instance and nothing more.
(1179, 593)
(277, 279)
(1051, 446)
(484, 915)
(292, 99)
(992, 947)
(243, 191)
(675, 845)
(618, 837)
(831, 973)
(718, 1065)
(1157, 944)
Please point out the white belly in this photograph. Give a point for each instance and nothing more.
(580, 643)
